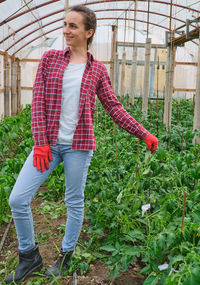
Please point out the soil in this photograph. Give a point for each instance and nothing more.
(49, 249)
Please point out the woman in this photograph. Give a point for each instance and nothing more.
(62, 126)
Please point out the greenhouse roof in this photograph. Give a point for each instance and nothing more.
(29, 24)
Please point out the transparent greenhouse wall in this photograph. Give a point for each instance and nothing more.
(1, 87)
(184, 76)
(28, 73)
(2, 71)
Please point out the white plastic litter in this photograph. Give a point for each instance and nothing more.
(145, 208)
(163, 266)
(173, 270)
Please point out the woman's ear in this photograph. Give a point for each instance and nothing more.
(89, 34)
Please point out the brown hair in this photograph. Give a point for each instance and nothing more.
(89, 19)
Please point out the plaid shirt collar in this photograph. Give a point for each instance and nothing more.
(67, 53)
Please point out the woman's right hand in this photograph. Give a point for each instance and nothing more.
(41, 157)
(151, 142)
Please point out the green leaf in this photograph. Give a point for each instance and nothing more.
(146, 269)
(124, 263)
(161, 241)
(135, 235)
(116, 270)
(170, 238)
(151, 280)
(130, 250)
(84, 267)
(175, 259)
(109, 248)
(100, 232)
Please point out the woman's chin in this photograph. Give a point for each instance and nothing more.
(69, 44)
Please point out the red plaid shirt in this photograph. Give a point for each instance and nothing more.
(47, 98)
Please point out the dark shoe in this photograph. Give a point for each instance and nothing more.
(29, 262)
(60, 266)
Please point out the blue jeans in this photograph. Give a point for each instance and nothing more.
(76, 164)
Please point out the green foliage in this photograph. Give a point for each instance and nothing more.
(117, 232)
(15, 133)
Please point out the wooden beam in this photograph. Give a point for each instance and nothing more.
(140, 44)
(29, 60)
(185, 63)
(183, 89)
(194, 34)
(26, 88)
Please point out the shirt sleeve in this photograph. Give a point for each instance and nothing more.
(115, 109)
(38, 110)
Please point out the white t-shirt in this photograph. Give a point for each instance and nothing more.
(72, 79)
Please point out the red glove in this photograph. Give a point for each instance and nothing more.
(41, 157)
(151, 142)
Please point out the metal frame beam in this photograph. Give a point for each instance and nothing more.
(113, 18)
(62, 10)
(92, 3)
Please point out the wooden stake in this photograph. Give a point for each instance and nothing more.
(136, 168)
(101, 115)
(115, 140)
(149, 192)
(177, 113)
(158, 67)
(150, 113)
(182, 143)
(183, 216)
(105, 129)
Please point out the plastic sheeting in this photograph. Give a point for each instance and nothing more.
(30, 24)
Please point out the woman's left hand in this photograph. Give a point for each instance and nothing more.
(151, 142)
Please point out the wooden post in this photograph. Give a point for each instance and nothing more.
(18, 86)
(123, 67)
(171, 51)
(6, 86)
(113, 53)
(13, 87)
(134, 75)
(196, 122)
(146, 82)
(116, 72)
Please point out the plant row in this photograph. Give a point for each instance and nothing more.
(124, 178)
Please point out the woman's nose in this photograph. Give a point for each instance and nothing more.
(66, 29)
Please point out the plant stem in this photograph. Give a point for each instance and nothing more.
(177, 113)
(149, 192)
(183, 216)
(105, 129)
(136, 168)
(115, 140)
(182, 143)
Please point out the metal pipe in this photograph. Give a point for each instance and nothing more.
(27, 11)
(148, 19)
(92, 3)
(60, 27)
(96, 11)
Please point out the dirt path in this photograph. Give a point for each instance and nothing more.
(49, 232)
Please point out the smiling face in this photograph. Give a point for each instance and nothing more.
(74, 30)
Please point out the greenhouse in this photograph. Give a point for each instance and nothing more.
(100, 142)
